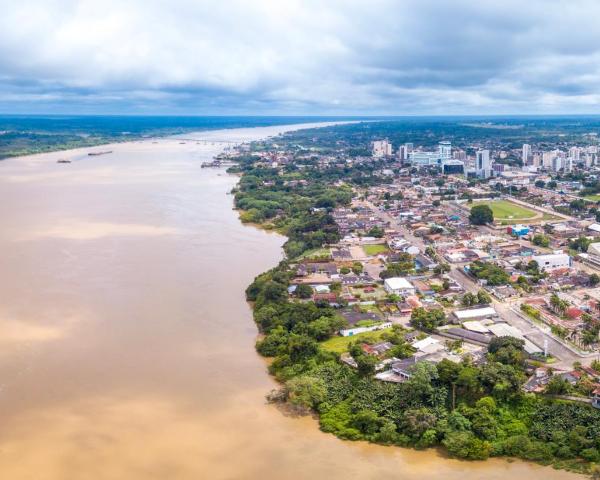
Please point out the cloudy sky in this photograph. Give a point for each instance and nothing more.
(300, 56)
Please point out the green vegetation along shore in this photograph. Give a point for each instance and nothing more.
(473, 411)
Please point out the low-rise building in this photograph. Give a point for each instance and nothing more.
(475, 314)
(552, 261)
(399, 286)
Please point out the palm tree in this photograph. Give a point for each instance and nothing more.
(555, 302)
(588, 338)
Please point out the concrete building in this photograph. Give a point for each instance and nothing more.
(475, 314)
(548, 159)
(518, 230)
(557, 164)
(526, 155)
(424, 159)
(568, 164)
(593, 253)
(574, 153)
(382, 148)
(402, 153)
(445, 151)
(459, 155)
(399, 286)
(552, 261)
(450, 167)
(483, 164)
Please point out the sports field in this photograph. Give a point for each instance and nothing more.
(505, 210)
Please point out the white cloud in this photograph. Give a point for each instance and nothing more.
(300, 56)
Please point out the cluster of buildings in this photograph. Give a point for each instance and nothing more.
(451, 163)
(425, 239)
(559, 160)
(434, 234)
(486, 163)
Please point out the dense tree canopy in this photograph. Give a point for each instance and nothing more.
(481, 215)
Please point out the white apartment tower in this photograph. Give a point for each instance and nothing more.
(557, 163)
(574, 153)
(382, 148)
(445, 151)
(548, 159)
(404, 150)
(568, 165)
(483, 164)
(526, 153)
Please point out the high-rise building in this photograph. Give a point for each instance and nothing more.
(382, 148)
(404, 151)
(557, 163)
(568, 165)
(588, 160)
(459, 155)
(445, 150)
(548, 159)
(574, 153)
(526, 154)
(483, 164)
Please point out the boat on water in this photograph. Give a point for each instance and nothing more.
(95, 154)
(214, 163)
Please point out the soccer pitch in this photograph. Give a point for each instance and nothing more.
(505, 210)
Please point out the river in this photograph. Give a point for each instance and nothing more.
(126, 346)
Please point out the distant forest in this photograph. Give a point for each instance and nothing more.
(22, 135)
(464, 132)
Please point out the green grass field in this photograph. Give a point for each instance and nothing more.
(340, 344)
(505, 210)
(592, 198)
(315, 253)
(375, 249)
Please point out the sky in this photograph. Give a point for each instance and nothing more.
(299, 57)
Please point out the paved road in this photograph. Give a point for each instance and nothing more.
(397, 225)
(532, 331)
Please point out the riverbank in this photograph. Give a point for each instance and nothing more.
(123, 323)
(488, 416)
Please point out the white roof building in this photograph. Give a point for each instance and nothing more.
(475, 326)
(594, 227)
(473, 313)
(552, 261)
(506, 330)
(399, 286)
(428, 345)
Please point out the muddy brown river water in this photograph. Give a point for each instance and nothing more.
(126, 346)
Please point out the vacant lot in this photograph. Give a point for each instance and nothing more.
(371, 250)
(340, 344)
